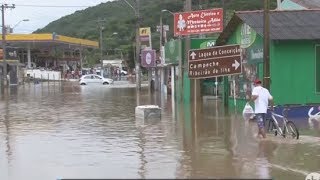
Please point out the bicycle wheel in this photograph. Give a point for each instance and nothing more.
(291, 130)
(272, 127)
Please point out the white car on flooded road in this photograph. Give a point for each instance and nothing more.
(94, 79)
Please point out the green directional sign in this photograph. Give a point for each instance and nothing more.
(202, 43)
(173, 51)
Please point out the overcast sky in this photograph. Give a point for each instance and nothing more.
(41, 16)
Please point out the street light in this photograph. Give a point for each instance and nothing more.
(135, 11)
(137, 61)
(161, 25)
(166, 10)
(23, 20)
(160, 50)
(101, 28)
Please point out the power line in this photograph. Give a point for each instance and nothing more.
(53, 6)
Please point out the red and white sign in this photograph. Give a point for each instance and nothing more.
(198, 22)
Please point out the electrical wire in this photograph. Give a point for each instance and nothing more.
(52, 6)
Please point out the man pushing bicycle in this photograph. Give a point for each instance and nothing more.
(261, 98)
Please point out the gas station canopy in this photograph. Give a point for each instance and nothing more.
(39, 41)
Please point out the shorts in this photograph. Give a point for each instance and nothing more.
(260, 118)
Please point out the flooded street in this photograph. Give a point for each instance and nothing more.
(65, 130)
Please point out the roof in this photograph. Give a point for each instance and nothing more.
(284, 25)
(310, 4)
(47, 40)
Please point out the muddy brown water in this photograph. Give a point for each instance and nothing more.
(50, 131)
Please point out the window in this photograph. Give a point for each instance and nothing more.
(317, 68)
(97, 77)
(87, 77)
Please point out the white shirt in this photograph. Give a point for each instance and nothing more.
(261, 103)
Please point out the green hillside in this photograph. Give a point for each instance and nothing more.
(119, 22)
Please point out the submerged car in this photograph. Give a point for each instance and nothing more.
(94, 79)
(123, 72)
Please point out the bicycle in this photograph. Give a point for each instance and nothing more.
(288, 127)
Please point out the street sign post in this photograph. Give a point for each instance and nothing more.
(165, 28)
(213, 62)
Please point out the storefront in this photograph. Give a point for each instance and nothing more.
(49, 52)
(294, 57)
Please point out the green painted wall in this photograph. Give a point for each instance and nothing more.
(317, 67)
(292, 68)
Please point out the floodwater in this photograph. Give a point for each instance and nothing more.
(50, 131)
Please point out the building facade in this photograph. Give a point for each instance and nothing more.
(294, 58)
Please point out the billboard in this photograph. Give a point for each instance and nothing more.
(173, 51)
(145, 37)
(198, 22)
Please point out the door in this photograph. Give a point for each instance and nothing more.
(98, 79)
(89, 79)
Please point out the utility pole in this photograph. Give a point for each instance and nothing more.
(101, 28)
(4, 77)
(160, 55)
(101, 47)
(138, 78)
(224, 13)
(225, 78)
(266, 45)
(137, 52)
(188, 7)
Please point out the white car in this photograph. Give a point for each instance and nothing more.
(124, 73)
(94, 79)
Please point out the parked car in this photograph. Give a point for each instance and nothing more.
(124, 73)
(94, 79)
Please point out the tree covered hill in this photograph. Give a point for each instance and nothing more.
(119, 22)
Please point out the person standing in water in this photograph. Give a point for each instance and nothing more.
(261, 98)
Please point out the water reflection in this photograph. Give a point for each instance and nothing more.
(72, 131)
(5, 134)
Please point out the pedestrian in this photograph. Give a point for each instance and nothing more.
(261, 98)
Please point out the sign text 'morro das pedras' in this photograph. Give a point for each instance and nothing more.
(198, 22)
(213, 62)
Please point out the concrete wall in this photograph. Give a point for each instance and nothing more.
(43, 74)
